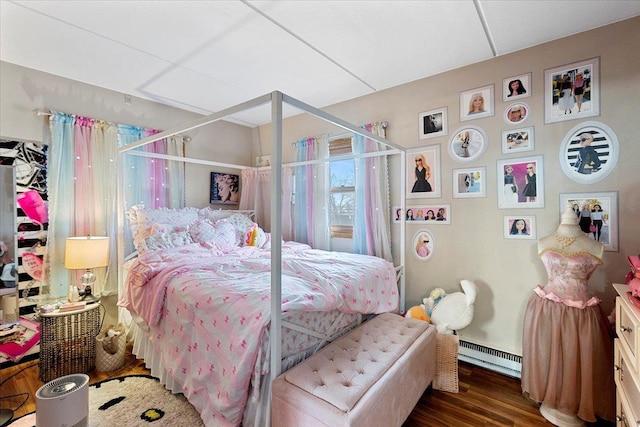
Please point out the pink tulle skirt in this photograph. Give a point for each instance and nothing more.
(567, 359)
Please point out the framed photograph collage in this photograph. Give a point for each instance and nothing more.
(588, 153)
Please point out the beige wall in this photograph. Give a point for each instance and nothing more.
(473, 247)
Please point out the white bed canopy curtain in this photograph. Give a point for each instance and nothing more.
(256, 195)
(311, 193)
(371, 229)
(82, 157)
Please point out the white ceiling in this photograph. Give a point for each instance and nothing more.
(205, 56)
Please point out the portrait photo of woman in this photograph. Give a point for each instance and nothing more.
(516, 87)
(225, 188)
(423, 172)
(476, 103)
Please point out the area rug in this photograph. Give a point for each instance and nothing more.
(132, 401)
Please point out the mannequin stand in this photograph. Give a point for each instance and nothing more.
(560, 419)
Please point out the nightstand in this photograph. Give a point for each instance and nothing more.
(68, 342)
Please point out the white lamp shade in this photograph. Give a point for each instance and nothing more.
(86, 252)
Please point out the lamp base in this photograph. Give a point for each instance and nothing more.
(88, 297)
(6, 415)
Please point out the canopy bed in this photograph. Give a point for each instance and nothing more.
(219, 306)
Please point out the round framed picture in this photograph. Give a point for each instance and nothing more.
(516, 113)
(589, 152)
(468, 144)
(423, 245)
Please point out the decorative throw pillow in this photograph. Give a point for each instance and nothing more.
(222, 234)
(213, 215)
(240, 223)
(141, 220)
(165, 241)
(255, 236)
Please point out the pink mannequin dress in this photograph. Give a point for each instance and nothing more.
(567, 361)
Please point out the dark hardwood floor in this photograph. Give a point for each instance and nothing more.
(485, 398)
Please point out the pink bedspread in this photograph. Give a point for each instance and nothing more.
(208, 310)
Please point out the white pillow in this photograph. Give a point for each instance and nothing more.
(222, 234)
(165, 241)
(142, 220)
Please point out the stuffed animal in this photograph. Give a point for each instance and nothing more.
(423, 311)
(455, 311)
(434, 298)
(418, 312)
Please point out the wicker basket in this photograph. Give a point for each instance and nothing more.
(110, 351)
(446, 378)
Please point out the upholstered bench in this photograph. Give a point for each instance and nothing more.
(372, 376)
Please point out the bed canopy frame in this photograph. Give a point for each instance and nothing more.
(276, 99)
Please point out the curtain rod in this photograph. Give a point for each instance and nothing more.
(346, 134)
(39, 112)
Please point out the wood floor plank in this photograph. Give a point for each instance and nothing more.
(485, 398)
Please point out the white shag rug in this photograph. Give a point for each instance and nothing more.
(132, 401)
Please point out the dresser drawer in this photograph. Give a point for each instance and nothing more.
(627, 380)
(628, 329)
(624, 415)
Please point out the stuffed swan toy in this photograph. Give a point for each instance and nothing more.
(455, 311)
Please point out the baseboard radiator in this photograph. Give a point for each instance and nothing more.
(490, 358)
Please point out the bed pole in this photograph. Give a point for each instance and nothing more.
(276, 242)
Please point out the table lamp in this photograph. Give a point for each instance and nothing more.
(86, 253)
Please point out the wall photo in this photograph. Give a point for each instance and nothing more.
(518, 140)
(423, 245)
(520, 183)
(467, 144)
(423, 172)
(516, 87)
(470, 182)
(516, 113)
(435, 214)
(224, 188)
(572, 91)
(589, 152)
(597, 215)
(433, 123)
(476, 103)
(519, 227)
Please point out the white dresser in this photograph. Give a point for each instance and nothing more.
(627, 360)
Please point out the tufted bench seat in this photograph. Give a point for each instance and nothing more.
(372, 376)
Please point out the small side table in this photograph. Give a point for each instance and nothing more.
(68, 342)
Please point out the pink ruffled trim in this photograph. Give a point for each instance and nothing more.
(566, 301)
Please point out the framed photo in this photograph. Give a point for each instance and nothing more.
(589, 152)
(423, 172)
(468, 144)
(603, 210)
(224, 188)
(517, 140)
(433, 214)
(519, 227)
(476, 103)
(520, 183)
(470, 182)
(423, 245)
(516, 113)
(433, 123)
(572, 91)
(516, 87)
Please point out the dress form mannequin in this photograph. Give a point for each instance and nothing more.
(567, 340)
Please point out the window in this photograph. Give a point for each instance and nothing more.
(342, 200)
